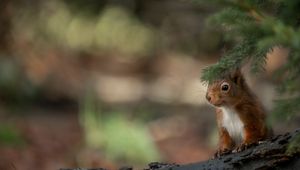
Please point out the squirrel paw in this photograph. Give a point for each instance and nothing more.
(220, 152)
(243, 147)
(240, 148)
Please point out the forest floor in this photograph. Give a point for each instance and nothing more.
(54, 139)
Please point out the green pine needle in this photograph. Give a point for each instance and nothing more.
(233, 60)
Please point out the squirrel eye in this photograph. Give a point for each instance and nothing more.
(225, 86)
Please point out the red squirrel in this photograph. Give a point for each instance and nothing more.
(240, 116)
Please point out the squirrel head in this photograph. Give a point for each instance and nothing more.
(226, 91)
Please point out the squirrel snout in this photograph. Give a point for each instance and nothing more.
(208, 97)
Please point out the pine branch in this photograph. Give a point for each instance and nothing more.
(234, 59)
(230, 16)
(259, 59)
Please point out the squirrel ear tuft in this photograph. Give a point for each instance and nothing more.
(237, 76)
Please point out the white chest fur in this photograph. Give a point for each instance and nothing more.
(233, 124)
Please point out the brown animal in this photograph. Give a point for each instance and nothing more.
(240, 116)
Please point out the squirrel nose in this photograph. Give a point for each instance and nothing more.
(208, 97)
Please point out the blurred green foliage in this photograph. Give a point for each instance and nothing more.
(10, 136)
(131, 27)
(121, 139)
(113, 29)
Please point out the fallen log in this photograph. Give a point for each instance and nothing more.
(268, 154)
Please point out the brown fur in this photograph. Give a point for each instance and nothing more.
(249, 109)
